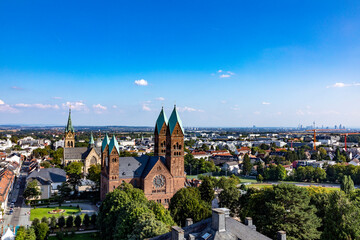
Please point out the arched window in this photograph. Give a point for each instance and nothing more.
(71, 144)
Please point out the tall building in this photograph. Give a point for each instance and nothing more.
(87, 155)
(159, 176)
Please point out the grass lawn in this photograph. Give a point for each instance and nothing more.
(247, 180)
(43, 212)
(84, 236)
(264, 185)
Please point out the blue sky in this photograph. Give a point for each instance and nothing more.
(224, 63)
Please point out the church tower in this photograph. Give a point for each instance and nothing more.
(69, 134)
(113, 159)
(160, 134)
(175, 149)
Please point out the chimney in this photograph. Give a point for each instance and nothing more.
(191, 237)
(249, 223)
(281, 235)
(177, 233)
(218, 220)
(188, 222)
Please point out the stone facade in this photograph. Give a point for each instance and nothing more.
(159, 176)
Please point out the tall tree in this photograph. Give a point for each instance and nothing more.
(247, 165)
(61, 221)
(42, 231)
(206, 189)
(187, 203)
(341, 219)
(347, 185)
(32, 190)
(77, 221)
(74, 172)
(70, 221)
(282, 207)
(229, 198)
(94, 173)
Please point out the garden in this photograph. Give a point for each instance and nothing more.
(53, 211)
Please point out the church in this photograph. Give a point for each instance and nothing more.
(87, 155)
(159, 176)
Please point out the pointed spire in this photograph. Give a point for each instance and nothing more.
(69, 126)
(105, 142)
(175, 118)
(161, 120)
(91, 142)
(114, 143)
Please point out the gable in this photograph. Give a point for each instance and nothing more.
(156, 164)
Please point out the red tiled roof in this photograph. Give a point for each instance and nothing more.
(5, 183)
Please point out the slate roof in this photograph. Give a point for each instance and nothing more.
(174, 118)
(105, 142)
(79, 153)
(114, 143)
(135, 167)
(161, 120)
(54, 175)
(234, 230)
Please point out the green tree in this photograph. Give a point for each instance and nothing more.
(35, 222)
(30, 234)
(187, 203)
(61, 222)
(86, 220)
(32, 190)
(74, 172)
(42, 231)
(347, 185)
(282, 207)
(247, 166)
(53, 222)
(94, 174)
(229, 198)
(259, 178)
(206, 189)
(147, 226)
(341, 219)
(45, 164)
(123, 208)
(93, 219)
(21, 233)
(69, 221)
(45, 220)
(77, 221)
(280, 172)
(64, 190)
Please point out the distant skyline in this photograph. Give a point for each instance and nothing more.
(223, 63)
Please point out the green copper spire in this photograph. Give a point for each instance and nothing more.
(114, 143)
(91, 142)
(69, 127)
(174, 118)
(161, 120)
(105, 142)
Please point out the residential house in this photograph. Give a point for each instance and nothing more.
(231, 167)
(48, 179)
(6, 184)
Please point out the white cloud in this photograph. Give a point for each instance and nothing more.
(300, 112)
(160, 99)
(56, 97)
(189, 109)
(341, 85)
(17, 88)
(98, 108)
(225, 76)
(37, 105)
(257, 113)
(223, 101)
(146, 107)
(141, 82)
(114, 106)
(7, 108)
(77, 106)
(231, 73)
(219, 71)
(265, 103)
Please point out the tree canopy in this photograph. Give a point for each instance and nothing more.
(127, 214)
